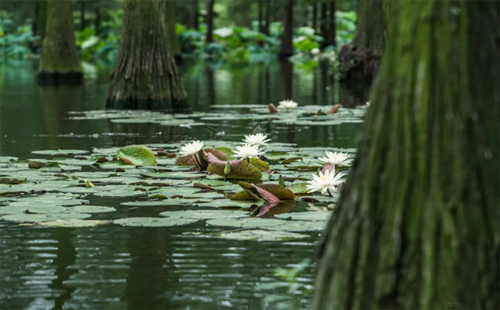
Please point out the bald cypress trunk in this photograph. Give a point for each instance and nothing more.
(210, 21)
(145, 75)
(286, 48)
(59, 63)
(172, 35)
(416, 226)
(359, 61)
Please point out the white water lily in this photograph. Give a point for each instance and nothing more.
(287, 104)
(256, 139)
(191, 148)
(337, 159)
(247, 151)
(325, 181)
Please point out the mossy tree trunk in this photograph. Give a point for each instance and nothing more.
(59, 63)
(417, 223)
(196, 16)
(39, 24)
(210, 21)
(360, 60)
(286, 48)
(172, 35)
(145, 75)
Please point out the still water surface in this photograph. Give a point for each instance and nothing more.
(113, 267)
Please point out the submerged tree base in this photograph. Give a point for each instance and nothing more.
(164, 105)
(60, 78)
(357, 65)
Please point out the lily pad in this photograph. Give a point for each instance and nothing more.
(138, 155)
(246, 223)
(60, 152)
(240, 169)
(306, 216)
(226, 203)
(205, 214)
(154, 221)
(299, 188)
(73, 223)
(90, 209)
(260, 235)
(44, 217)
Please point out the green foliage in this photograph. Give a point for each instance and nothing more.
(14, 40)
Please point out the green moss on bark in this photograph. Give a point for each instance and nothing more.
(416, 226)
(145, 75)
(59, 62)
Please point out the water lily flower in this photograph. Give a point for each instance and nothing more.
(368, 103)
(324, 182)
(191, 148)
(256, 139)
(287, 104)
(247, 151)
(337, 159)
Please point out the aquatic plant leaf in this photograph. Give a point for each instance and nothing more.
(247, 223)
(60, 152)
(227, 151)
(154, 221)
(226, 203)
(44, 217)
(306, 216)
(205, 214)
(73, 223)
(90, 209)
(245, 195)
(138, 155)
(259, 163)
(240, 169)
(260, 235)
(164, 202)
(187, 160)
(299, 188)
(277, 190)
(266, 195)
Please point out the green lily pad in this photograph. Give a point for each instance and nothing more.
(73, 223)
(205, 214)
(260, 235)
(165, 202)
(60, 152)
(154, 221)
(138, 155)
(299, 188)
(259, 163)
(306, 216)
(226, 203)
(90, 209)
(44, 217)
(247, 223)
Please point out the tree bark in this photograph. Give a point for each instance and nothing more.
(359, 61)
(145, 75)
(332, 31)
(59, 63)
(97, 21)
(82, 15)
(286, 48)
(323, 22)
(315, 17)
(172, 35)
(416, 225)
(210, 21)
(196, 10)
(265, 29)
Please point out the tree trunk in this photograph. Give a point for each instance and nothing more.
(260, 16)
(39, 24)
(82, 15)
(323, 22)
(59, 63)
(145, 75)
(332, 31)
(172, 35)
(196, 10)
(265, 29)
(97, 21)
(416, 226)
(315, 17)
(286, 48)
(359, 61)
(210, 21)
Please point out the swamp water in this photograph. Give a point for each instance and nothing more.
(196, 265)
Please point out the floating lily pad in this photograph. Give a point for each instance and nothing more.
(165, 202)
(138, 155)
(60, 152)
(73, 223)
(240, 169)
(306, 216)
(246, 223)
(205, 214)
(260, 235)
(90, 209)
(299, 188)
(226, 203)
(154, 221)
(44, 217)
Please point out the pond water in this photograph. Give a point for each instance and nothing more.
(114, 267)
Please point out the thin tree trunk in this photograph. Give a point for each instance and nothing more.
(265, 29)
(315, 17)
(210, 21)
(359, 61)
(196, 10)
(332, 31)
(97, 21)
(145, 75)
(416, 225)
(286, 49)
(323, 26)
(260, 16)
(59, 63)
(172, 35)
(82, 14)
